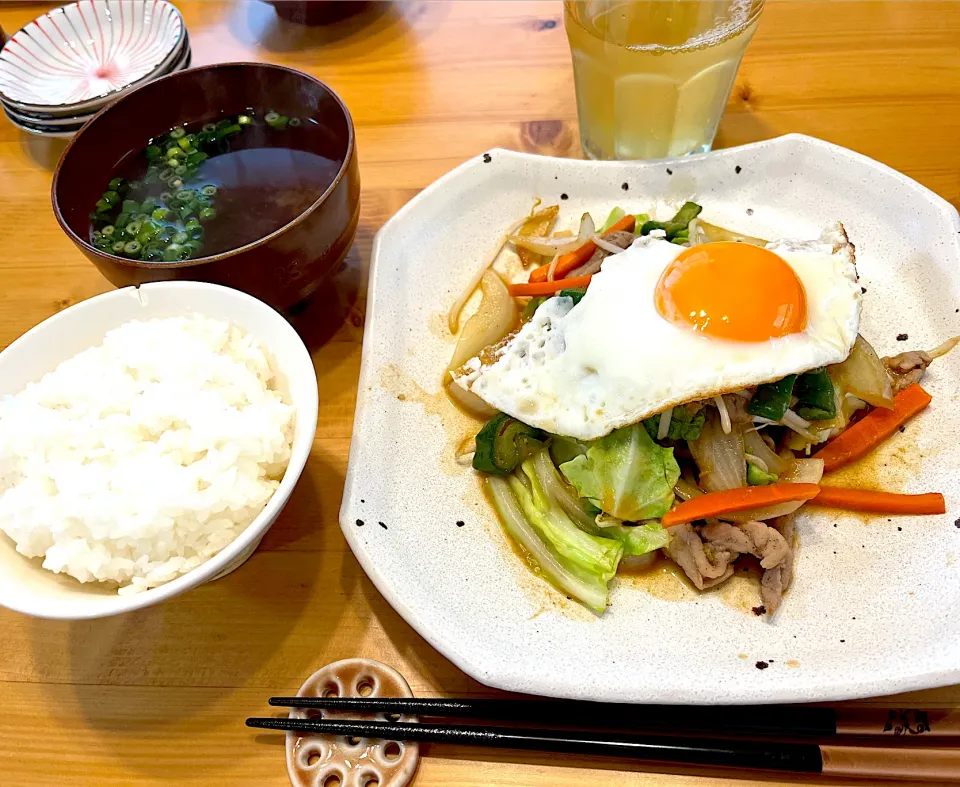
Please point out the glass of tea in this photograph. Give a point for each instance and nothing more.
(653, 76)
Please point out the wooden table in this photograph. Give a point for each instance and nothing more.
(159, 696)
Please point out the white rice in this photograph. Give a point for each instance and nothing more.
(139, 459)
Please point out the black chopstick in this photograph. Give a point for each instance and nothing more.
(766, 720)
(800, 757)
(864, 762)
(783, 721)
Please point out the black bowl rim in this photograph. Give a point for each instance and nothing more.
(348, 157)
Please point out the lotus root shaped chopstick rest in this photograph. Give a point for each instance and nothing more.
(320, 760)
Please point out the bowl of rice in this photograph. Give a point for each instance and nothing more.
(149, 438)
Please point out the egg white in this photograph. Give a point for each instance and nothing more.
(613, 360)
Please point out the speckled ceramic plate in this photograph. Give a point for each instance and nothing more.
(871, 610)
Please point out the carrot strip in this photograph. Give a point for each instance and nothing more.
(716, 503)
(548, 287)
(879, 502)
(872, 429)
(577, 257)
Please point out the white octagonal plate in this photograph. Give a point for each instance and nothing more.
(872, 607)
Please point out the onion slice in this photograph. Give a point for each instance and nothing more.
(495, 318)
(453, 316)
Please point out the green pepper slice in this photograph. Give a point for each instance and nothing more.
(815, 398)
(772, 400)
(502, 443)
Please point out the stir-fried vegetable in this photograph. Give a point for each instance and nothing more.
(711, 233)
(814, 392)
(548, 287)
(772, 400)
(715, 504)
(679, 223)
(758, 477)
(801, 471)
(539, 225)
(871, 430)
(557, 244)
(625, 474)
(684, 425)
(635, 539)
(502, 443)
(719, 456)
(585, 580)
(879, 502)
(495, 318)
(864, 376)
(574, 259)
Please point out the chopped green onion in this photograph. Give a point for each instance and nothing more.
(115, 184)
(294, 122)
(153, 254)
(173, 251)
(208, 214)
(111, 196)
(117, 248)
(123, 220)
(133, 247)
(130, 206)
(185, 211)
(97, 234)
(244, 120)
(148, 205)
(103, 206)
(185, 143)
(177, 133)
(271, 117)
(208, 191)
(166, 196)
(176, 183)
(223, 123)
(166, 234)
(185, 196)
(108, 230)
(181, 237)
(181, 170)
(153, 152)
(225, 132)
(160, 214)
(166, 173)
(133, 228)
(149, 232)
(209, 126)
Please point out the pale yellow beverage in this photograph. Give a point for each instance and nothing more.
(653, 76)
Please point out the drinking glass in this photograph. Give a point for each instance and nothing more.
(653, 76)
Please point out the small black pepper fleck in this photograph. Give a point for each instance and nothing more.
(956, 311)
(834, 553)
(761, 610)
(901, 428)
(956, 523)
(854, 617)
(738, 169)
(770, 660)
(899, 529)
(863, 290)
(669, 171)
(749, 211)
(843, 640)
(460, 523)
(382, 525)
(362, 500)
(564, 196)
(625, 186)
(902, 337)
(834, 524)
(359, 523)
(487, 158)
(761, 665)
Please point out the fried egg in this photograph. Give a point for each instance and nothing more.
(662, 325)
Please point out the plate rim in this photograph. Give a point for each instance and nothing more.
(511, 679)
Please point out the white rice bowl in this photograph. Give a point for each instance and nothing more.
(139, 459)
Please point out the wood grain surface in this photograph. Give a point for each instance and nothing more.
(159, 696)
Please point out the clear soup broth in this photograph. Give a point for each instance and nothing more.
(211, 187)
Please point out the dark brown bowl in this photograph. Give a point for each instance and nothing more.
(282, 268)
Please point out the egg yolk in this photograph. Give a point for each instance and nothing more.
(732, 291)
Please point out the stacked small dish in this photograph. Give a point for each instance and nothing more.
(62, 68)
